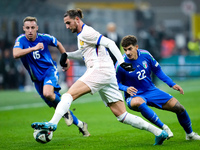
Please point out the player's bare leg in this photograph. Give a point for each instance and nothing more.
(174, 105)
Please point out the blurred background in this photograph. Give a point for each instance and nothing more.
(169, 30)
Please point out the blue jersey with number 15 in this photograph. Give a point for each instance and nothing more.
(39, 62)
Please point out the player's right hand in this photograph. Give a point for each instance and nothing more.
(63, 60)
(68, 65)
(39, 46)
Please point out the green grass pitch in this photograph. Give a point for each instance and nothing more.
(19, 109)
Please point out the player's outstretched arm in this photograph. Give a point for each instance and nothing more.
(75, 54)
(178, 88)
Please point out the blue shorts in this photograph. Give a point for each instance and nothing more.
(155, 98)
(51, 78)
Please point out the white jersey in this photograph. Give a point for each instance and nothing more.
(100, 75)
(94, 55)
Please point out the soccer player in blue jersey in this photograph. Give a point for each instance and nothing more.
(140, 92)
(32, 48)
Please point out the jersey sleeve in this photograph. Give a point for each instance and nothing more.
(119, 75)
(51, 40)
(18, 42)
(91, 36)
(156, 68)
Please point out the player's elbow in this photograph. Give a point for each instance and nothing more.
(15, 56)
(111, 44)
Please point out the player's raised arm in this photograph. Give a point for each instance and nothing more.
(18, 52)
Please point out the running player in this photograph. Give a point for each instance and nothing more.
(140, 91)
(99, 77)
(32, 48)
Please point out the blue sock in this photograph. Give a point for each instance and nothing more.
(57, 100)
(150, 115)
(185, 121)
(75, 120)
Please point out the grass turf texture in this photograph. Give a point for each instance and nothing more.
(19, 109)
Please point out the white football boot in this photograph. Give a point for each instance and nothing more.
(192, 136)
(84, 130)
(167, 129)
(68, 118)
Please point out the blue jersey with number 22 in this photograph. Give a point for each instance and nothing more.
(141, 77)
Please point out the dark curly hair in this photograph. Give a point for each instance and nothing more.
(129, 40)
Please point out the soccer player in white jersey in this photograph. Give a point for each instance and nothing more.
(140, 92)
(99, 77)
(32, 49)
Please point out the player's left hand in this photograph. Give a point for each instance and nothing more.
(178, 88)
(127, 66)
(131, 90)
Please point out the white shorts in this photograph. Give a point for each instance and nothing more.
(104, 82)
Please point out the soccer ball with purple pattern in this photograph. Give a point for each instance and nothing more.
(43, 135)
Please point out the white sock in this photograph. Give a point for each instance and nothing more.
(139, 123)
(164, 126)
(153, 129)
(80, 124)
(62, 108)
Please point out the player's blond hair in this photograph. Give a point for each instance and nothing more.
(29, 18)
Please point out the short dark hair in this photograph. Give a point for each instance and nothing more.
(129, 40)
(29, 18)
(72, 13)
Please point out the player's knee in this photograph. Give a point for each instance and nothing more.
(136, 102)
(49, 95)
(178, 108)
(181, 109)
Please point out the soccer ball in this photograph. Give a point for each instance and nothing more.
(43, 136)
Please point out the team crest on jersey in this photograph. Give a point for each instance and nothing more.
(16, 43)
(144, 64)
(81, 42)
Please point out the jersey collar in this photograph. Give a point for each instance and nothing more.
(82, 29)
(138, 52)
